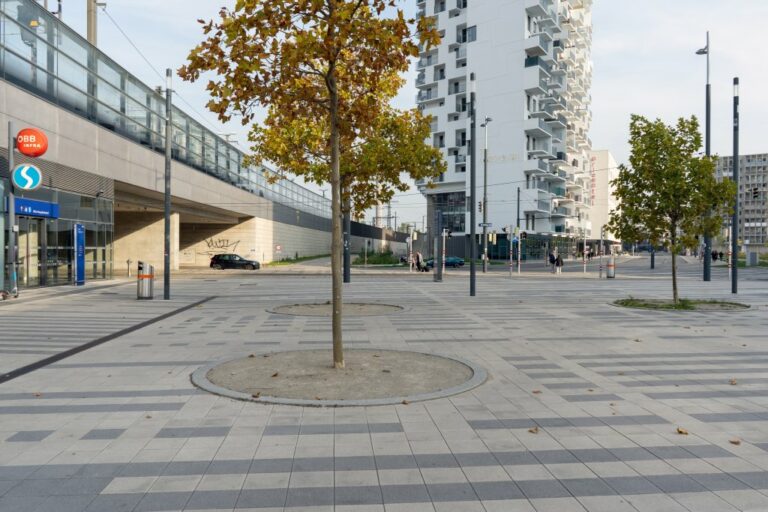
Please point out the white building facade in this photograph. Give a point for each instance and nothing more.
(602, 194)
(532, 69)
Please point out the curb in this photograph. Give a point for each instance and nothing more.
(200, 379)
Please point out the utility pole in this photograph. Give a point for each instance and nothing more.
(485, 195)
(93, 20)
(518, 207)
(472, 185)
(735, 225)
(707, 131)
(168, 155)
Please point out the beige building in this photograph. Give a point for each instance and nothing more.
(604, 169)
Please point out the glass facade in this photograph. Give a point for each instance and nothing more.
(45, 248)
(45, 57)
(453, 208)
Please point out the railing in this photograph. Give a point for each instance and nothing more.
(458, 88)
(538, 61)
(460, 159)
(461, 52)
(560, 211)
(558, 191)
(538, 185)
(543, 205)
(50, 60)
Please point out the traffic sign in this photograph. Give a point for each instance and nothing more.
(27, 177)
(31, 142)
(278, 248)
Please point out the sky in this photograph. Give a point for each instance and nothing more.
(643, 54)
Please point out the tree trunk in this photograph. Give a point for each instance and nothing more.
(673, 250)
(336, 236)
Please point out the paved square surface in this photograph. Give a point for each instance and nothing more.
(581, 410)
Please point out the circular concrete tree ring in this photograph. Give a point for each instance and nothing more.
(326, 309)
(370, 377)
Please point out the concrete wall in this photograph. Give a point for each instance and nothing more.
(140, 237)
(252, 238)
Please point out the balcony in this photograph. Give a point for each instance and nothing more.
(539, 206)
(558, 122)
(538, 61)
(535, 166)
(537, 128)
(558, 191)
(560, 158)
(461, 53)
(560, 212)
(457, 88)
(537, 45)
(460, 158)
(543, 151)
(427, 96)
(536, 8)
(535, 80)
(538, 185)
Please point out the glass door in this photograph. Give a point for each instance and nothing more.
(31, 264)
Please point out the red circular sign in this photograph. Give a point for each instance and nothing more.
(31, 142)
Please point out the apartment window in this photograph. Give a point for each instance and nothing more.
(461, 4)
(461, 168)
(439, 6)
(439, 140)
(440, 73)
(467, 34)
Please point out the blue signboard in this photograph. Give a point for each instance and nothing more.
(27, 177)
(32, 208)
(79, 233)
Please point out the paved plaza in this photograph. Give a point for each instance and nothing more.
(586, 406)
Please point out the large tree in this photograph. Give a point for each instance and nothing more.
(323, 65)
(667, 192)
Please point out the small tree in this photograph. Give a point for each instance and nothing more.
(669, 195)
(320, 65)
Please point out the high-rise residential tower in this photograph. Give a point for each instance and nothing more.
(532, 68)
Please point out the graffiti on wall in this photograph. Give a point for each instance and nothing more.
(215, 246)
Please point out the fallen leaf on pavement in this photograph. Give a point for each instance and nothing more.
(251, 355)
(536, 391)
(732, 382)
(638, 340)
(405, 402)
(148, 417)
(591, 390)
(534, 430)
(737, 442)
(38, 395)
(682, 431)
(276, 374)
(257, 394)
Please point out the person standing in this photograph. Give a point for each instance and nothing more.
(552, 261)
(559, 264)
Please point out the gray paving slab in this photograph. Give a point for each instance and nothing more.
(121, 417)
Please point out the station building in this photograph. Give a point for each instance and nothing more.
(105, 166)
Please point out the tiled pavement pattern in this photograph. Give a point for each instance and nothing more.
(120, 428)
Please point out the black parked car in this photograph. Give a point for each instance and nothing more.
(221, 261)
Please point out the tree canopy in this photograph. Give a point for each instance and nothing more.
(325, 70)
(669, 194)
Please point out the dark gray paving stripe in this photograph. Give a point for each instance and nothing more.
(675, 362)
(690, 382)
(742, 393)
(681, 371)
(128, 364)
(71, 352)
(593, 397)
(357, 463)
(187, 432)
(669, 354)
(420, 493)
(726, 417)
(54, 395)
(70, 409)
(588, 421)
(570, 385)
(339, 428)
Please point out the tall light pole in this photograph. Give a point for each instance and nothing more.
(92, 21)
(472, 185)
(485, 195)
(168, 155)
(707, 132)
(735, 225)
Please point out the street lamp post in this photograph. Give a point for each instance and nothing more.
(707, 132)
(485, 195)
(735, 225)
(472, 185)
(167, 198)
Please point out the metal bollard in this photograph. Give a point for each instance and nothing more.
(611, 271)
(129, 267)
(145, 283)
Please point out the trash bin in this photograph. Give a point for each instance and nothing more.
(145, 284)
(611, 272)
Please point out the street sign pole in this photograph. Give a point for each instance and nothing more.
(600, 275)
(519, 254)
(13, 286)
(511, 248)
(445, 233)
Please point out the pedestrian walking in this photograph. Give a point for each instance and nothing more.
(714, 255)
(559, 264)
(419, 261)
(720, 255)
(552, 261)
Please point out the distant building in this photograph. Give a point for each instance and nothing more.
(602, 195)
(753, 196)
